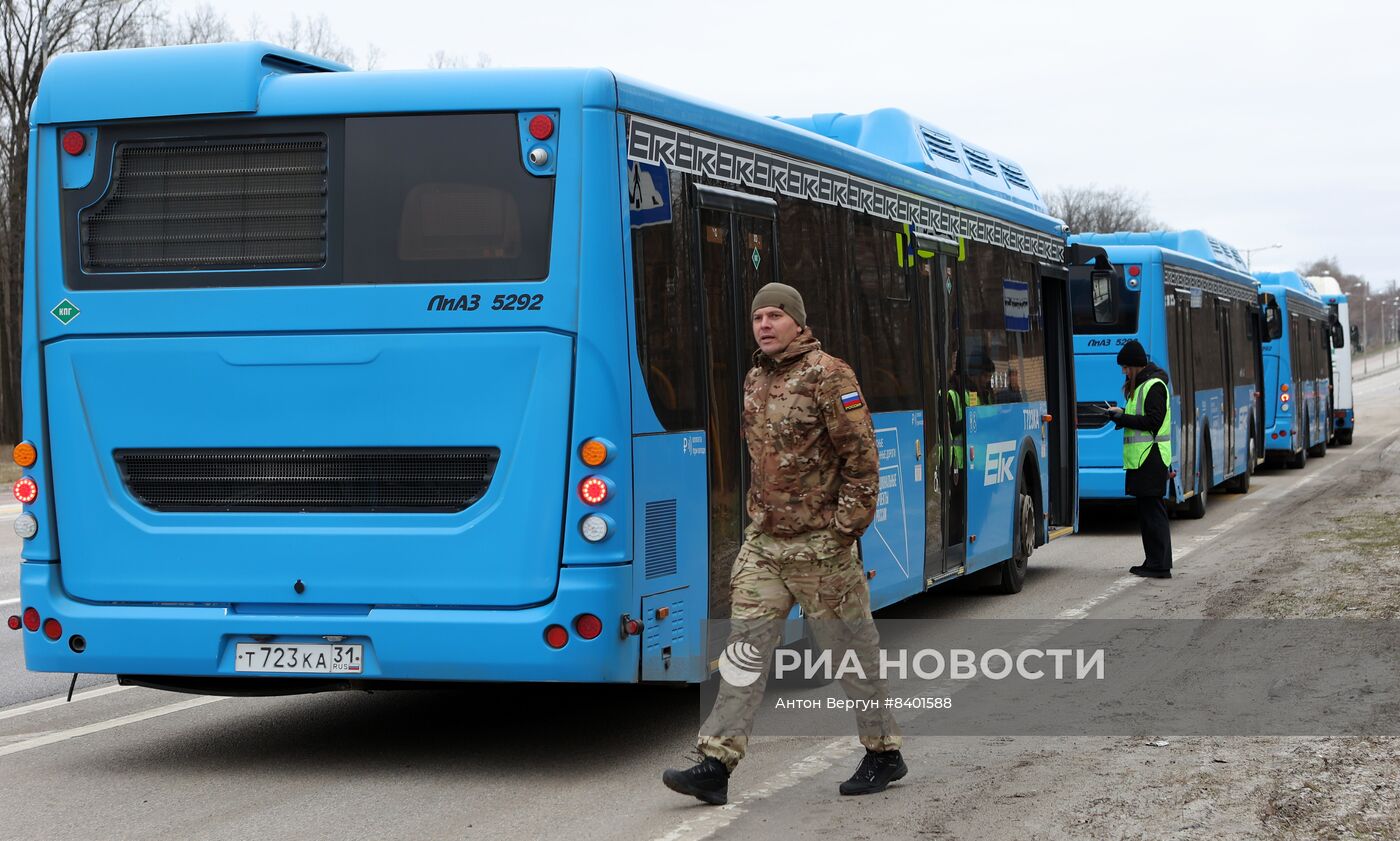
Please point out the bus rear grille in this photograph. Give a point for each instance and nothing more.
(407, 479)
(1090, 416)
(245, 203)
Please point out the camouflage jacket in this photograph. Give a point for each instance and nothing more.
(811, 443)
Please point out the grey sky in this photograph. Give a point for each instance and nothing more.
(1259, 122)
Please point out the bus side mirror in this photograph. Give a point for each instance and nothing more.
(1339, 338)
(1101, 289)
(1273, 322)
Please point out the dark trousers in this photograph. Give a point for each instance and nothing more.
(1156, 531)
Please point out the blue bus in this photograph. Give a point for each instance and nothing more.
(1297, 368)
(1344, 336)
(1188, 299)
(436, 376)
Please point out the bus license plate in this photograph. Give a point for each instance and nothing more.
(294, 658)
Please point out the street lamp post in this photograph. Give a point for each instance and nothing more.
(1249, 252)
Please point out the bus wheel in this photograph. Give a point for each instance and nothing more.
(1344, 437)
(1319, 449)
(1195, 508)
(1299, 460)
(1240, 484)
(1013, 569)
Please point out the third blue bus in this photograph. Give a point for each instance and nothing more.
(1297, 368)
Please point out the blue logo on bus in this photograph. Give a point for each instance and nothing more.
(649, 194)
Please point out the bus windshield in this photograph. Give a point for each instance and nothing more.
(1095, 313)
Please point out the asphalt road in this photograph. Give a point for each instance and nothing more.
(532, 761)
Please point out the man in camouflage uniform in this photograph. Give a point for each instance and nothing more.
(812, 493)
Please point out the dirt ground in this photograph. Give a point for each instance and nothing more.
(1342, 560)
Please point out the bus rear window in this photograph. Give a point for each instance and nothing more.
(429, 198)
(443, 198)
(1103, 308)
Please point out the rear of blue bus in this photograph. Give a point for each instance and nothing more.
(1281, 430)
(325, 372)
(1104, 320)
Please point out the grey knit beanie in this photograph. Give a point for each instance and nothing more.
(783, 297)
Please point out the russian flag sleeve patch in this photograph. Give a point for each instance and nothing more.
(851, 401)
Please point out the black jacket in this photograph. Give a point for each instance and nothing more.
(1151, 478)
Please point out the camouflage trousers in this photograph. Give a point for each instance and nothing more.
(820, 573)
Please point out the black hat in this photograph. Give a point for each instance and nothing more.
(1132, 354)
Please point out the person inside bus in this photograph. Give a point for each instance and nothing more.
(815, 484)
(1146, 422)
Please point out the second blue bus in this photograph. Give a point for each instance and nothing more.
(1187, 298)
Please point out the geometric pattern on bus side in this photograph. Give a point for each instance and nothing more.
(1186, 279)
(748, 166)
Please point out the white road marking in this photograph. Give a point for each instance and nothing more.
(60, 701)
(75, 732)
(8, 602)
(1114, 589)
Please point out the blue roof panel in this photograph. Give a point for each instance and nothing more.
(165, 81)
(1197, 243)
(1290, 280)
(901, 137)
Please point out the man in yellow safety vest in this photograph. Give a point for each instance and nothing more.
(1146, 422)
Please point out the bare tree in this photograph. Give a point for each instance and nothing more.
(202, 25)
(33, 32)
(1095, 209)
(1366, 303)
(443, 60)
(314, 36)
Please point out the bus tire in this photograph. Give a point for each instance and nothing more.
(1256, 441)
(1013, 569)
(1344, 437)
(1239, 484)
(1195, 508)
(1319, 449)
(1299, 460)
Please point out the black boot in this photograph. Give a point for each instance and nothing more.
(708, 781)
(1150, 571)
(876, 772)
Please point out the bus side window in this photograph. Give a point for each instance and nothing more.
(667, 344)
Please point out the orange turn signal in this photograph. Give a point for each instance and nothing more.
(25, 455)
(593, 452)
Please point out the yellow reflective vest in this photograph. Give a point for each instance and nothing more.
(1136, 442)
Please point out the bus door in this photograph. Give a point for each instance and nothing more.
(1179, 315)
(944, 443)
(737, 256)
(1227, 378)
(1061, 436)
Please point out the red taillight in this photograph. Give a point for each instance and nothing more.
(631, 627)
(1134, 271)
(588, 626)
(555, 636)
(31, 619)
(74, 142)
(541, 127)
(593, 490)
(52, 629)
(15, 624)
(26, 490)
